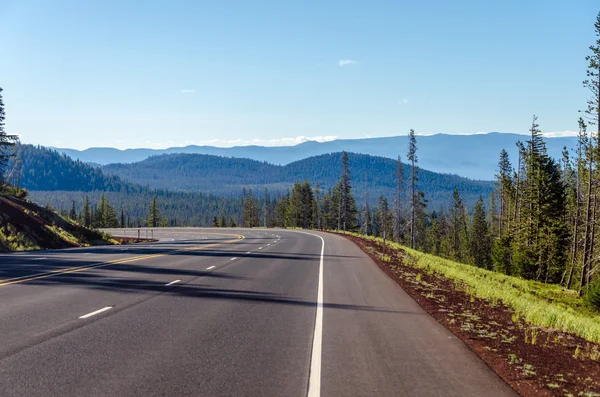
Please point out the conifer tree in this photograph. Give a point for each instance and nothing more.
(399, 202)
(412, 157)
(347, 213)
(480, 238)
(7, 142)
(154, 213)
(73, 213)
(87, 217)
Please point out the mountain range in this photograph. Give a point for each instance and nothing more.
(471, 156)
(45, 169)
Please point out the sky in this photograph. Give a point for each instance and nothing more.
(156, 74)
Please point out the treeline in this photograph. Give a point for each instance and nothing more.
(176, 208)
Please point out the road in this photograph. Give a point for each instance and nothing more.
(223, 312)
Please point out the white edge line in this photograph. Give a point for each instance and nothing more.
(212, 267)
(314, 381)
(96, 312)
(259, 248)
(234, 258)
(172, 282)
(248, 252)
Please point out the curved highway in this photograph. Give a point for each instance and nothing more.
(223, 312)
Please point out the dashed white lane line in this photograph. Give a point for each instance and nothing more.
(260, 248)
(248, 252)
(212, 267)
(96, 312)
(172, 282)
(232, 259)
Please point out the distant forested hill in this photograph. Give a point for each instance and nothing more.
(222, 175)
(473, 156)
(46, 170)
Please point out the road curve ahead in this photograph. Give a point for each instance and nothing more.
(223, 312)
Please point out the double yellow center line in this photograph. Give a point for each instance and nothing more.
(77, 269)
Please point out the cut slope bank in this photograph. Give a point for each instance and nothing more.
(28, 226)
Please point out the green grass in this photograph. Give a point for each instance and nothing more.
(539, 304)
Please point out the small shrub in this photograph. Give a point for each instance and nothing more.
(14, 191)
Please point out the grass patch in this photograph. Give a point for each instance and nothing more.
(538, 304)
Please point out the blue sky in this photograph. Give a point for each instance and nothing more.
(168, 73)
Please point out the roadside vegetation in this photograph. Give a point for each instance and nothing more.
(541, 339)
(26, 226)
(539, 304)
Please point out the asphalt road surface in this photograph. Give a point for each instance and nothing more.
(223, 312)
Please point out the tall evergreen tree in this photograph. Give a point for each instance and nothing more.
(154, 214)
(480, 238)
(412, 157)
(73, 213)
(347, 219)
(7, 142)
(87, 216)
(399, 196)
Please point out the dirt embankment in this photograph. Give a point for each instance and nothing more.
(27, 226)
(534, 361)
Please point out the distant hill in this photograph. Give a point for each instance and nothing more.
(46, 170)
(472, 156)
(27, 226)
(221, 175)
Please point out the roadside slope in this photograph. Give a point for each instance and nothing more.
(28, 226)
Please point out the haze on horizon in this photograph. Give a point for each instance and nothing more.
(82, 74)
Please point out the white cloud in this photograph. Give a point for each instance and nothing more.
(403, 101)
(346, 62)
(188, 91)
(236, 142)
(559, 134)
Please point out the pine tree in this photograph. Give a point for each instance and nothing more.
(385, 223)
(251, 210)
(433, 242)
(592, 82)
(87, 216)
(576, 201)
(73, 213)
(412, 157)
(504, 184)
(123, 224)
(318, 213)
(215, 221)
(7, 142)
(222, 221)
(399, 203)
(232, 223)
(347, 206)
(480, 238)
(592, 113)
(154, 214)
(365, 216)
